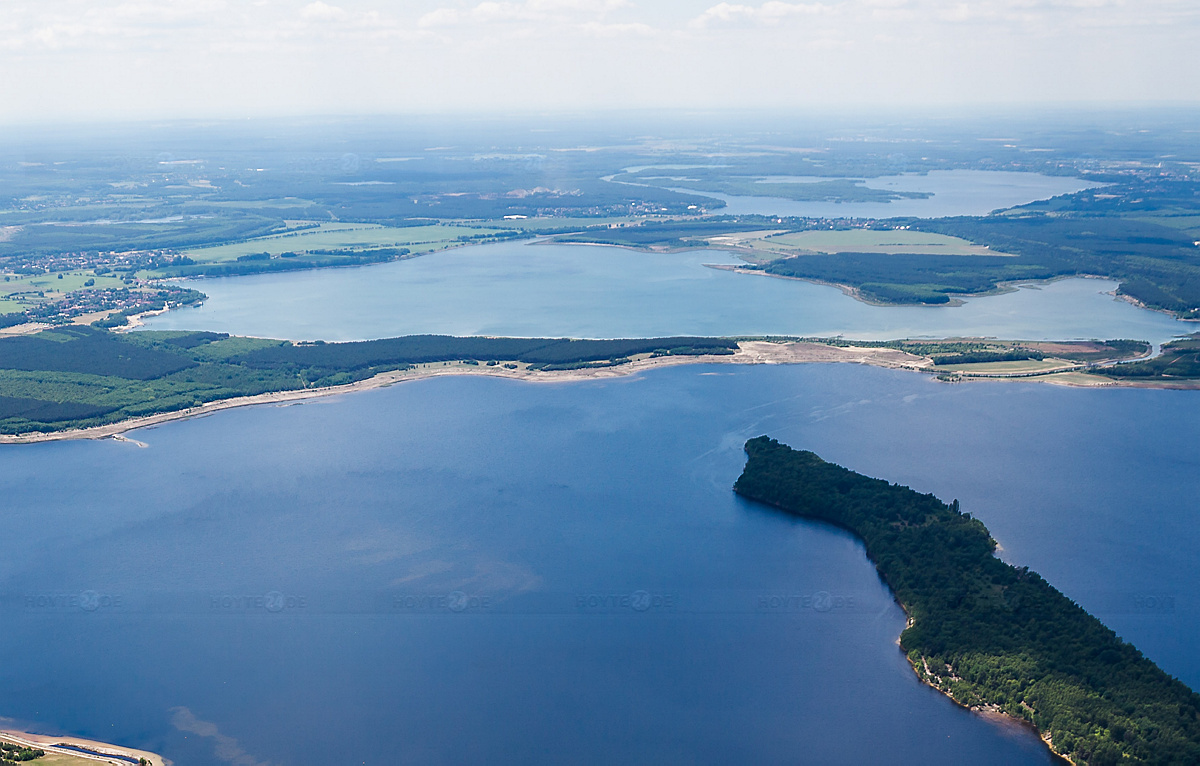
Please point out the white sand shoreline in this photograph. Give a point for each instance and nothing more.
(749, 352)
(98, 749)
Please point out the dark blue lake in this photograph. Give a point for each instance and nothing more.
(476, 570)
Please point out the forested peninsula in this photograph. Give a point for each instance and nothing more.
(984, 632)
(75, 377)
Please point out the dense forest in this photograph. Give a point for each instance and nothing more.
(985, 632)
(266, 264)
(77, 376)
(1156, 265)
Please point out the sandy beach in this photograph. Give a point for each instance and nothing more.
(99, 750)
(749, 352)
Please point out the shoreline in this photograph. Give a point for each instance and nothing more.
(991, 713)
(1130, 299)
(935, 681)
(956, 299)
(749, 352)
(852, 292)
(99, 749)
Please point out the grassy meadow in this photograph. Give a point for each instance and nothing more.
(338, 236)
(888, 241)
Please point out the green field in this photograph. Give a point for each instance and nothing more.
(1077, 379)
(1187, 223)
(72, 280)
(51, 285)
(335, 236)
(60, 759)
(542, 223)
(281, 203)
(1015, 367)
(893, 241)
(722, 181)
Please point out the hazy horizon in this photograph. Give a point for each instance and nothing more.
(107, 61)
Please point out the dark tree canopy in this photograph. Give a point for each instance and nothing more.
(985, 632)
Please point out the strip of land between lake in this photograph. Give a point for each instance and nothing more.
(748, 352)
(83, 750)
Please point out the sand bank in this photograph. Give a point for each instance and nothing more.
(99, 749)
(748, 352)
(752, 352)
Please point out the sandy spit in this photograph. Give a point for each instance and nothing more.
(749, 352)
(101, 748)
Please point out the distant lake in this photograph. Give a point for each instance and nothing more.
(482, 570)
(523, 289)
(955, 192)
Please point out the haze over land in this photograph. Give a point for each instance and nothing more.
(115, 60)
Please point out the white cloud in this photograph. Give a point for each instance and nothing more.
(767, 13)
(599, 29)
(540, 11)
(319, 11)
(441, 17)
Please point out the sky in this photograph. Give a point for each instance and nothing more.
(88, 60)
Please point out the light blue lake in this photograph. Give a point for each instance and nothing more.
(954, 192)
(539, 290)
(482, 570)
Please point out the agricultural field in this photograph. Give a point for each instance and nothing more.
(342, 236)
(1189, 224)
(20, 292)
(1009, 368)
(887, 241)
(1082, 379)
(553, 223)
(33, 238)
(763, 183)
(71, 280)
(62, 759)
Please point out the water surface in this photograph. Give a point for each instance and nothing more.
(481, 570)
(954, 192)
(583, 291)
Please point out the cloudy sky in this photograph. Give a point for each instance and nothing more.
(111, 60)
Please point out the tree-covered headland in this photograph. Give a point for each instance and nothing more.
(986, 633)
(78, 376)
